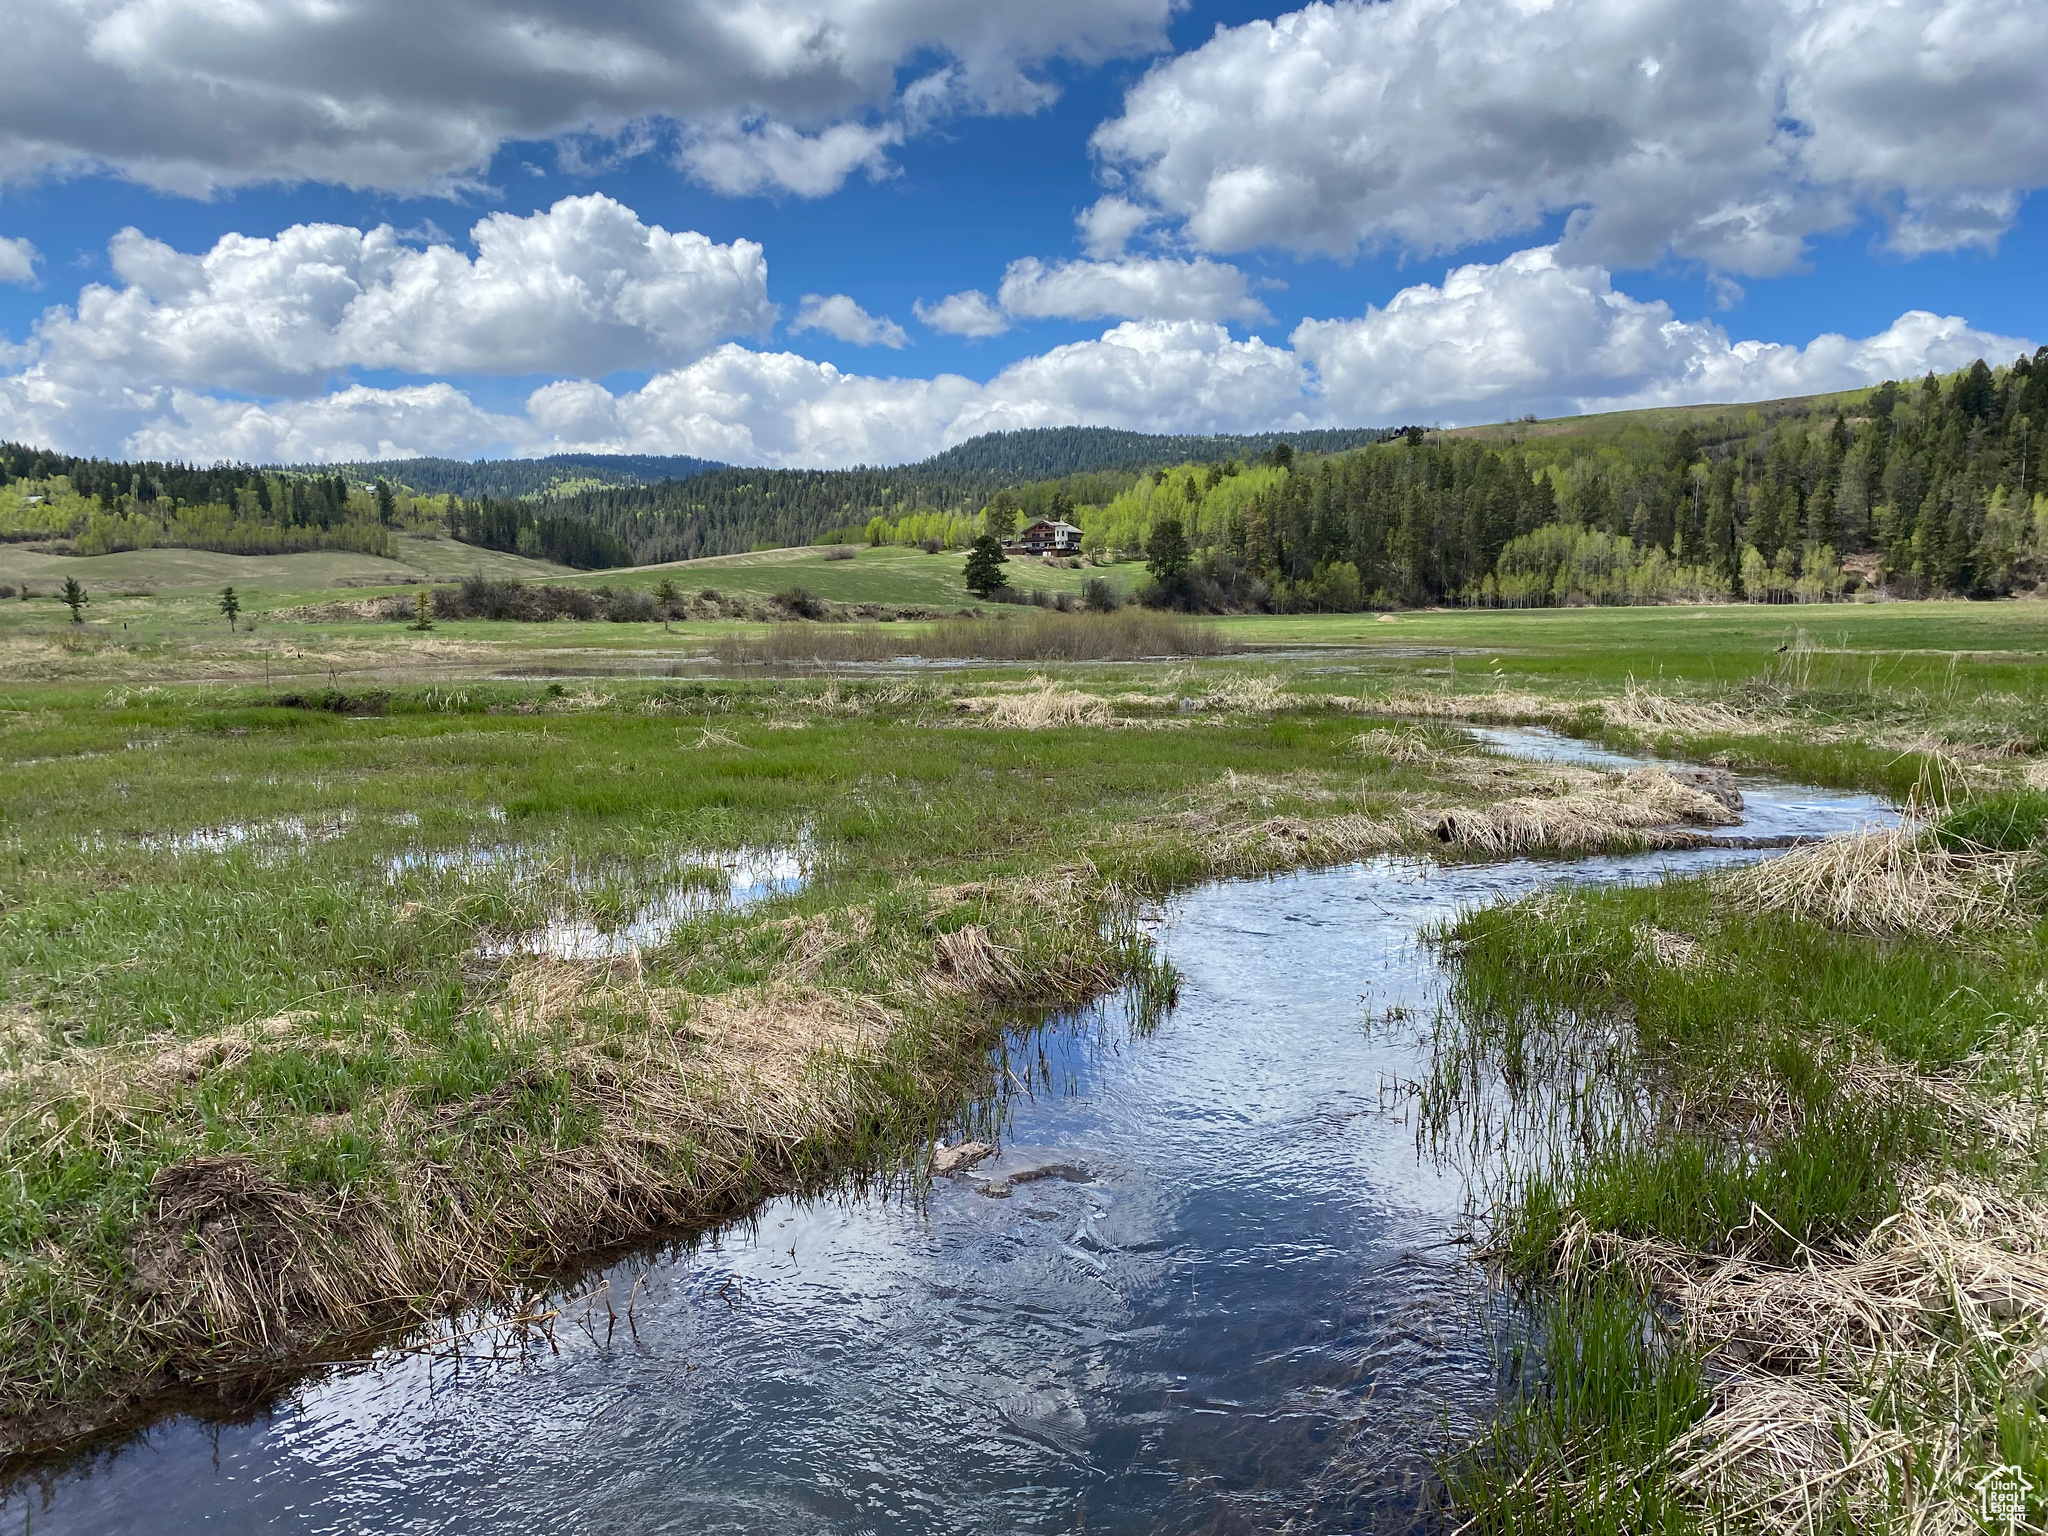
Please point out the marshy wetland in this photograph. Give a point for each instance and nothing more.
(472, 1104)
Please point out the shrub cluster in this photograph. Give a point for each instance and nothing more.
(481, 598)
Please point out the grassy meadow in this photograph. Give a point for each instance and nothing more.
(351, 974)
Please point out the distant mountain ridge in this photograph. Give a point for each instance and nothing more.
(987, 462)
(517, 478)
(1047, 453)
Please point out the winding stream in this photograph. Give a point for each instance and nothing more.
(1241, 1306)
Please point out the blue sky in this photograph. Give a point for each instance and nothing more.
(1631, 191)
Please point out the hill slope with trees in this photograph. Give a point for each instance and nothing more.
(1924, 487)
(518, 478)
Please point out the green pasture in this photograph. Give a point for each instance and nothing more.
(887, 574)
(418, 557)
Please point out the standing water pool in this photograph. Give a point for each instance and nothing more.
(1236, 1302)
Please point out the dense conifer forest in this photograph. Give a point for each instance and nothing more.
(555, 475)
(97, 506)
(1922, 488)
(1051, 453)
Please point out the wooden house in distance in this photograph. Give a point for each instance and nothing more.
(1047, 536)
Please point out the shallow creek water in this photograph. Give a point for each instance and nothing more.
(1243, 1307)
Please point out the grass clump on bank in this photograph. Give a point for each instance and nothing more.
(200, 1207)
(1787, 1119)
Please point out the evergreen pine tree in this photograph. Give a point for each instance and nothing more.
(984, 570)
(1166, 554)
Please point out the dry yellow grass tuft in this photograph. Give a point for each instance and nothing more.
(1250, 696)
(1398, 744)
(1648, 807)
(1044, 705)
(1888, 881)
(1638, 709)
(1827, 1372)
(1679, 951)
(1499, 706)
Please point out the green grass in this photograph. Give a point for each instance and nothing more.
(885, 574)
(125, 940)
(1777, 1147)
(1712, 1107)
(1601, 1395)
(1769, 1098)
(414, 557)
(1882, 644)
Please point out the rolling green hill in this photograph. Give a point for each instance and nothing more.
(702, 509)
(413, 558)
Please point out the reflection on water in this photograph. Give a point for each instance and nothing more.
(284, 832)
(1251, 1314)
(680, 890)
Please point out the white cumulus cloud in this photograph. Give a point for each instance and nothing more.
(195, 95)
(1135, 288)
(1537, 331)
(584, 287)
(1110, 223)
(1532, 333)
(782, 409)
(1727, 133)
(18, 260)
(738, 158)
(838, 316)
(971, 314)
(1142, 288)
(353, 423)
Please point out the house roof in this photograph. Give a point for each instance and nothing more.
(1053, 525)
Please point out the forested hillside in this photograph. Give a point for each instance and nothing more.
(980, 465)
(731, 511)
(713, 510)
(1051, 453)
(1926, 487)
(554, 475)
(99, 506)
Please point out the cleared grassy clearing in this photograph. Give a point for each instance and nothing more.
(170, 570)
(890, 574)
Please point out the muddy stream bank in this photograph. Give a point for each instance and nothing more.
(1236, 1303)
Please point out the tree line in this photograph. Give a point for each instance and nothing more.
(521, 528)
(101, 506)
(1926, 487)
(493, 479)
